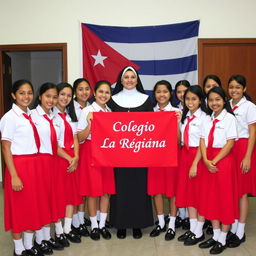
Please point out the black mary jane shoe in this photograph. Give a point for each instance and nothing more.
(121, 233)
(185, 236)
(23, 253)
(209, 230)
(43, 248)
(83, 231)
(229, 237)
(192, 240)
(34, 252)
(55, 245)
(169, 235)
(185, 224)
(95, 234)
(207, 244)
(73, 237)
(178, 222)
(217, 248)
(105, 233)
(62, 239)
(235, 241)
(136, 233)
(157, 231)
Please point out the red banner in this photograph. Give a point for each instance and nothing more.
(134, 139)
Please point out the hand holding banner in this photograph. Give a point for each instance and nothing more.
(134, 139)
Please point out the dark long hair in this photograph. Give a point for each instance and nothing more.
(197, 90)
(214, 78)
(77, 82)
(43, 88)
(70, 107)
(220, 91)
(242, 81)
(168, 87)
(119, 87)
(185, 83)
(17, 84)
(98, 84)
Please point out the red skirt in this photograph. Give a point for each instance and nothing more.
(246, 181)
(218, 196)
(162, 180)
(22, 209)
(94, 181)
(68, 193)
(187, 194)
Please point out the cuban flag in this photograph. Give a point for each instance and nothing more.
(157, 52)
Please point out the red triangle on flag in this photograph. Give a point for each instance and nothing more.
(100, 61)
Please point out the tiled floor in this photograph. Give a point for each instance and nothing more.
(143, 247)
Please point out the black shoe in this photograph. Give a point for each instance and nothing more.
(55, 245)
(136, 233)
(105, 233)
(167, 219)
(34, 252)
(186, 224)
(23, 253)
(217, 248)
(207, 244)
(235, 241)
(192, 240)
(87, 222)
(95, 234)
(209, 230)
(157, 231)
(73, 237)
(62, 239)
(178, 222)
(43, 248)
(230, 236)
(185, 236)
(121, 233)
(207, 223)
(169, 235)
(83, 231)
(107, 224)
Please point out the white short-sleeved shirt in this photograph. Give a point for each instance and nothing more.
(79, 108)
(18, 130)
(169, 107)
(43, 128)
(82, 122)
(245, 114)
(195, 127)
(62, 126)
(225, 129)
(180, 106)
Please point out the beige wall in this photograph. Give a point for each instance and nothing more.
(53, 21)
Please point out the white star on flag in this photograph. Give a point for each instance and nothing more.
(99, 59)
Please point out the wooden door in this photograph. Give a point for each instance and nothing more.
(225, 57)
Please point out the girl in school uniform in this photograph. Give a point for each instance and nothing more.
(189, 175)
(218, 201)
(97, 181)
(209, 82)
(163, 180)
(244, 152)
(20, 145)
(48, 131)
(64, 113)
(82, 92)
(180, 88)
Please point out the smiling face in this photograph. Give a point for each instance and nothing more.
(49, 99)
(162, 95)
(209, 84)
(23, 96)
(83, 92)
(102, 95)
(215, 103)
(192, 102)
(129, 80)
(180, 91)
(64, 98)
(236, 91)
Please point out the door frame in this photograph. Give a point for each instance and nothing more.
(32, 47)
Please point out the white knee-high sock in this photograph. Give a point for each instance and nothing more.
(234, 227)
(39, 236)
(58, 228)
(216, 234)
(47, 233)
(199, 229)
(18, 246)
(240, 230)
(28, 240)
(75, 221)
(193, 223)
(172, 223)
(67, 225)
(81, 217)
(222, 238)
(161, 220)
(103, 217)
(94, 223)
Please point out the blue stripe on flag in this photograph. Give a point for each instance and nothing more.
(167, 67)
(146, 34)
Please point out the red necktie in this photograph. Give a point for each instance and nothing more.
(234, 108)
(68, 134)
(186, 140)
(53, 135)
(36, 136)
(81, 107)
(160, 109)
(211, 133)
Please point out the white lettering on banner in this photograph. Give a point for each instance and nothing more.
(138, 145)
(108, 144)
(131, 127)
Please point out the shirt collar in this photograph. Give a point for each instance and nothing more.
(97, 108)
(168, 107)
(243, 100)
(41, 112)
(220, 116)
(196, 114)
(18, 111)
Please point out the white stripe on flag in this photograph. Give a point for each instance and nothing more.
(157, 51)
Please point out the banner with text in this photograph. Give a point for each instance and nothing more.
(134, 139)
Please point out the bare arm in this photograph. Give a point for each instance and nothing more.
(193, 168)
(85, 133)
(211, 166)
(224, 151)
